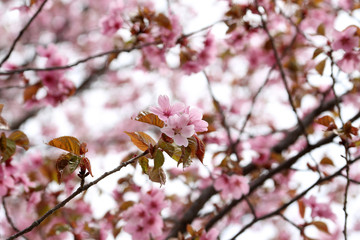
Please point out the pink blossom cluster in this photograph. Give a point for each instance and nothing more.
(233, 186)
(203, 58)
(57, 85)
(348, 41)
(111, 23)
(322, 210)
(143, 220)
(181, 122)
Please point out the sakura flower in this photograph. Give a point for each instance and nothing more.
(349, 62)
(165, 109)
(178, 129)
(113, 22)
(195, 118)
(232, 186)
(170, 36)
(346, 40)
(154, 201)
(203, 58)
(319, 209)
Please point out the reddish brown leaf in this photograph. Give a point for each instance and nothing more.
(157, 175)
(150, 118)
(301, 206)
(141, 140)
(83, 148)
(163, 21)
(200, 150)
(3, 124)
(20, 139)
(327, 121)
(30, 91)
(67, 143)
(327, 161)
(321, 226)
(320, 67)
(85, 163)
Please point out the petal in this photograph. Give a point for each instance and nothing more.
(180, 140)
(177, 108)
(164, 102)
(188, 131)
(168, 131)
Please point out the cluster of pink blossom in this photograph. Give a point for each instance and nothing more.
(111, 23)
(143, 220)
(181, 122)
(348, 40)
(57, 85)
(203, 58)
(322, 210)
(233, 186)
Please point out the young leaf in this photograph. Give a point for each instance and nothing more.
(301, 208)
(150, 118)
(61, 164)
(317, 52)
(73, 162)
(321, 226)
(327, 121)
(327, 161)
(200, 150)
(20, 139)
(157, 175)
(163, 21)
(141, 140)
(3, 124)
(67, 143)
(7, 148)
(144, 163)
(158, 159)
(320, 66)
(30, 91)
(85, 163)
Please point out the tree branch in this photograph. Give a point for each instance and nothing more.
(22, 32)
(74, 194)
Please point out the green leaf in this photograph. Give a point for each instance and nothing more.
(185, 158)
(144, 163)
(141, 140)
(8, 148)
(150, 118)
(320, 66)
(159, 159)
(73, 162)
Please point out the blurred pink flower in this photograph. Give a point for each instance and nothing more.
(210, 235)
(113, 22)
(195, 118)
(350, 62)
(232, 186)
(319, 209)
(346, 40)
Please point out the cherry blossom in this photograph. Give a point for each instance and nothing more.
(177, 128)
(165, 109)
(346, 40)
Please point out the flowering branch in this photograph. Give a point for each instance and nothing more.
(74, 194)
(297, 197)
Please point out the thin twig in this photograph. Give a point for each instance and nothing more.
(223, 118)
(297, 197)
(22, 32)
(8, 218)
(346, 191)
(282, 72)
(74, 194)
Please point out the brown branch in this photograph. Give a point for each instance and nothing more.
(282, 72)
(8, 218)
(102, 54)
(22, 32)
(74, 194)
(283, 207)
(260, 180)
(223, 119)
(208, 192)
